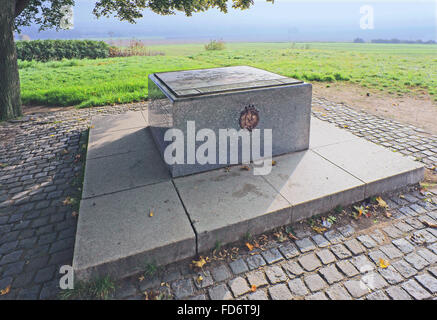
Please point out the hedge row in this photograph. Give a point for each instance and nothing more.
(45, 50)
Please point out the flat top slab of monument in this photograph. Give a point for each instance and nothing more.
(205, 81)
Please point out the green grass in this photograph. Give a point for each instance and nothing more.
(393, 68)
(99, 289)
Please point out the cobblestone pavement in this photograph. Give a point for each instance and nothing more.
(39, 171)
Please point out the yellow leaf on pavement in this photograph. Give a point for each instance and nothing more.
(319, 229)
(5, 290)
(253, 288)
(383, 263)
(199, 263)
(381, 203)
(249, 246)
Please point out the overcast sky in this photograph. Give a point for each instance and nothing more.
(285, 20)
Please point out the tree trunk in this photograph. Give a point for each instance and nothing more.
(10, 100)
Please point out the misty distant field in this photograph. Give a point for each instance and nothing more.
(397, 69)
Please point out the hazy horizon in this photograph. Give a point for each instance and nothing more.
(285, 20)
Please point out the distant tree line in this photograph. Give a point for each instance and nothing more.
(360, 40)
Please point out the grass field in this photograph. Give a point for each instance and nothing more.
(393, 68)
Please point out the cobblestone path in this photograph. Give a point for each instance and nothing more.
(40, 168)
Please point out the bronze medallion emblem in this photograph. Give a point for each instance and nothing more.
(249, 118)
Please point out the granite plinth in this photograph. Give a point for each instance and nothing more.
(215, 98)
(116, 235)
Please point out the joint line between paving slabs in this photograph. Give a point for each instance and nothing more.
(122, 190)
(188, 216)
(365, 183)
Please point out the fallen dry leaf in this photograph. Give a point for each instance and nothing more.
(249, 246)
(141, 278)
(253, 288)
(199, 263)
(292, 236)
(199, 279)
(381, 203)
(319, 229)
(151, 214)
(247, 168)
(5, 290)
(429, 225)
(383, 263)
(388, 214)
(273, 163)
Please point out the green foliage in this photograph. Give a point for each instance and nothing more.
(99, 289)
(215, 45)
(45, 50)
(48, 13)
(88, 82)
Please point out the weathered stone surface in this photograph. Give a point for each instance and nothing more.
(381, 169)
(317, 296)
(347, 268)
(391, 275)
(122, 171)
(297, 287)
(354, 246)
(403, 245)
(292, 268)
(314, 282)
(340, 251)
(397, 293)
(182, 288)
(239, 286)
(220, 292)
(416, 261)
(289, 250)
(275, 274)
(428, 282)
(257, 278)
(218, 195)
(305, 245)
(272, 256)
(309, 262)
(290, 177)
(255, 261)
(331, 274)
(258, 295)
(404, 268)
(108, 243)
(367, 241)
(238, 266)
(220, 273)
(337, 292)
(171, 109)
(377, 295)
(326, 256)
(415, 290)
(356, 288)
(280, 292)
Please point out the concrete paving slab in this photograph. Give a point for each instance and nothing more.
(122, 171)
(312, 184)
(323, 134)
(116, 142)
(128, 120)
(224, 206)
(380, 169)
(116, 236)
(125, 177)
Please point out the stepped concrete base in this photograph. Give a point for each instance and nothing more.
(125, 179)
